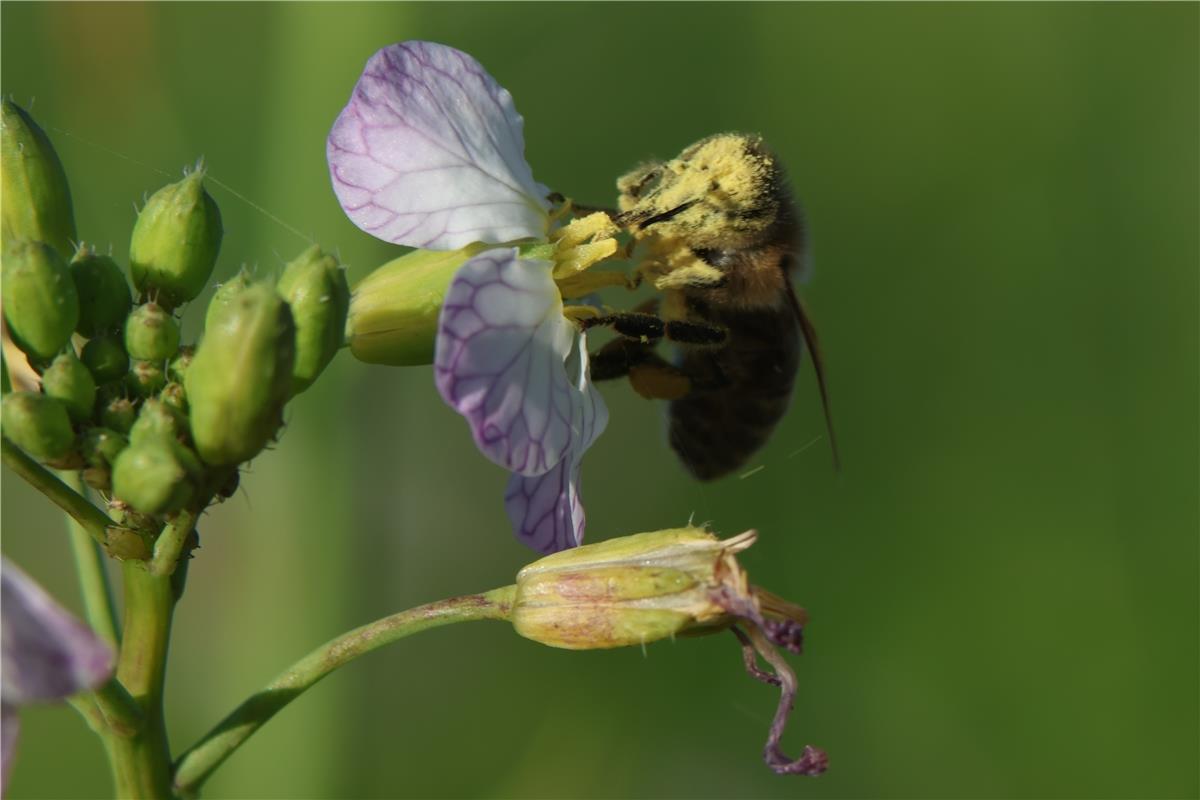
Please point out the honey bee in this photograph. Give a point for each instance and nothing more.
(723, 235)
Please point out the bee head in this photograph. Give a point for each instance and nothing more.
(722, 192)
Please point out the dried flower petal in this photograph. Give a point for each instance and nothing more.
(430, 153)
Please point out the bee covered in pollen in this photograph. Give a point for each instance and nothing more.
(723, 236)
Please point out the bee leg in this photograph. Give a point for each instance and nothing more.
(645, 328)
(694, 333)
(649, 374)
(617, 358)
(695, 276)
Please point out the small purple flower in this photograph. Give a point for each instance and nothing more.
(429, 153)
(45, 653)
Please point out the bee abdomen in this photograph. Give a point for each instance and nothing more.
(740, 392)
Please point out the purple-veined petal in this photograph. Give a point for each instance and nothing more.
(545, 510)
(45, 653)
(430, 153)
(499, 360)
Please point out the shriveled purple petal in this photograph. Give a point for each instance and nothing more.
(545, 510)
(430, 153)
(45, 653)
(500, 358)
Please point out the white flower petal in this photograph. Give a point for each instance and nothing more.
(430, 153)
(545, 510)
(499, 360)
(45, 653)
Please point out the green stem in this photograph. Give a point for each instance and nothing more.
(90, 518)
(195, 765)
(142, 762)
(121, 713)
(98, 603)
(172, 540)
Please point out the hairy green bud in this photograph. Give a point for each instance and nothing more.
(151, 334)
(155, 420)
(35, 200)
(241, 376)
(174, 397)
(180, 363)
(106, 358)
(175, 242)
(223, 297)
(146, 378)
(315, 288)
(38, 424)
(40, 303)
(394, 311)
(119, 414)
(101, 447)
(149, 476)
(70, 382)
(104, 298)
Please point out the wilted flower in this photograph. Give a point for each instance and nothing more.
(46, 654)
(429, 153)
(637, 589)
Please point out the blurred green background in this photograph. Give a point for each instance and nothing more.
(1003, 577)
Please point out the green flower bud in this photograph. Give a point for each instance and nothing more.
(125, 544)
(146, 378)
(39, 425)
(151, 334)
(149, 476)
(223, 297)
(118, 414)
(35, 201)
(40, 303)
(180, 363)
(175, 242)
(241, 376)
(101, 447)
(155, 420)
(69, 381)
(315, 288)
(104, 299)
(630, 591)
(106, 358)
(394, 311)
(174, 398)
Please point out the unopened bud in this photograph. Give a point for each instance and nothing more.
(40, 303)
(223, 297)
(175, 242)
(241, 376)
(180, 363)
(100, 447)
(394, 311)
(106, 358)
(155, 420)
(119, 414)
(104, 299)
(174, 397)
(149, 476)
(35, 200)
(151, 334)
(38, 424)
(70, 382)
(146, 378)
(315, 288)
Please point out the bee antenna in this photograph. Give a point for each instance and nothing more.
(810, 340)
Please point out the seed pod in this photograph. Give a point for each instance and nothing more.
(393, 314)
(106, 359)
(35, 200)
(39, 298)
(118, 414)
(315, 288)
(146, 378)
(69, 381)
(38, 424)
(241, 376)
(104, 299)
(151, 334)
(175, 242)
(148, 475)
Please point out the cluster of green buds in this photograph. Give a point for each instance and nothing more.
(155, 424)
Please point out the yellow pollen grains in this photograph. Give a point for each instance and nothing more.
(579, 245)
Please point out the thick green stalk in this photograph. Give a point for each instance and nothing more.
(90, 518)
(98, 602)
(199, 761)
(142, 762)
